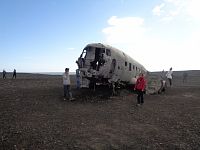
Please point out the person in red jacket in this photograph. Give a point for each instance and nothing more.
(140, 88)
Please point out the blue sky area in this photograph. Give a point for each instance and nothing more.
(49, 35)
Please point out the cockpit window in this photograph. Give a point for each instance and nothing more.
(83, 55)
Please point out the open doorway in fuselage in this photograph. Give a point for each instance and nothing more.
(98, 60)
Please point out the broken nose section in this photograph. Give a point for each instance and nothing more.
(88, 73)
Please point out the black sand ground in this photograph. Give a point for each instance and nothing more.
(34, 116)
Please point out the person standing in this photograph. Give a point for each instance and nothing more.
(14, 74)
(169, 76)
(162, 75)
(66, 85)
(78, 85)
(185, 76)
(163, 87)
(4, 74)
(140, 88)
(163, 82)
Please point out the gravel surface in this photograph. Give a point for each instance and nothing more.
(33, 116)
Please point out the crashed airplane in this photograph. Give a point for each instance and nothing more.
(101, 64)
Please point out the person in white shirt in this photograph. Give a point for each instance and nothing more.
(169, 76)
(66, 85)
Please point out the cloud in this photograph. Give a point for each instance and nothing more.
(157, 10)
(169, 10)
(130, 35)
(124, 30)
(193, 9)
(150, 46)
(164, 14)
(158, 46)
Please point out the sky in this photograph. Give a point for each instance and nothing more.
(49, 35)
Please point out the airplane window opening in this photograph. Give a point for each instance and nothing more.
(125, 63)
(133, 67)
(113, 65)
(108, 53)
(129, 66)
